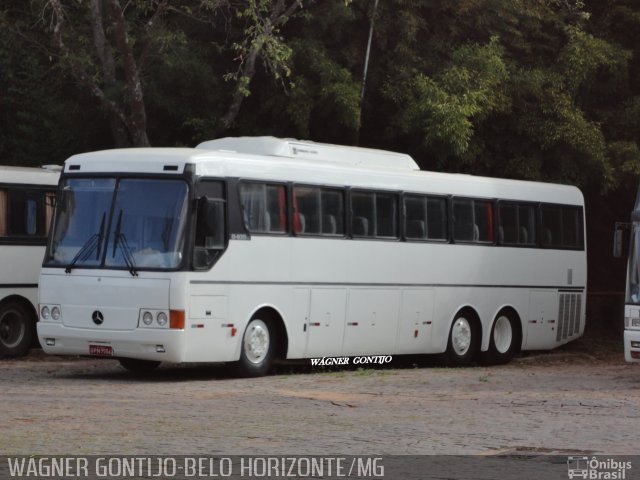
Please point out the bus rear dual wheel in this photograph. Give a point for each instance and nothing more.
(464, 343)
(17, 329)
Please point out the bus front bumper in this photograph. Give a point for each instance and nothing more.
(632, 346)
(163, 345)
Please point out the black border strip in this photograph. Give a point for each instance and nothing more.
(402, 285)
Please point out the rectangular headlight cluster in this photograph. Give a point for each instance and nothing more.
(50, 313)
(151, 318)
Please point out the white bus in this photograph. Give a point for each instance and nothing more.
(632, 294)
(26, 208)
(247, 250)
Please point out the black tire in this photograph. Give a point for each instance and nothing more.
(138, 366)
(463, 344)
(17, 329)
(504, 340)
(258, 348)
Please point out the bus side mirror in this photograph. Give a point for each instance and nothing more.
(617, 243)
(210, 226)
(617, 237)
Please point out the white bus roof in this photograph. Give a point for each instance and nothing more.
(47, 175)
(268, 158)
(291, 148)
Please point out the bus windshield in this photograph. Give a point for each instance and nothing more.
(633, 285)
(119, 223)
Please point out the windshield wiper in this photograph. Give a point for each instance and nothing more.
(121, 241)
(94, 241)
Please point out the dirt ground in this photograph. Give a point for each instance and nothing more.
(582, 398)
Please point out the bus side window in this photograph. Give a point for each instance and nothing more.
(483, 221)
(437, 218)
(306, 201)
(473, 220)
(264, 207)
(571, 227)
(551, 225)
(463, 224)
(386, 216)
(415, 208)
(24, 214)
(332, 204)
(3, 213)
(363, 214)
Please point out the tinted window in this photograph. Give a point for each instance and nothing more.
(3, 213)
(306, 210)
(562, 227)
(318, 211)
(24, 213)
(517, 224)
(386, 217)
(363, 209)
(374, 215)
(425, 217)
(264, 207)
(473, 220)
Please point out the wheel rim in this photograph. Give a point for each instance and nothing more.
(256, 341)
(12, 329)
(502, 334)
(461, 336)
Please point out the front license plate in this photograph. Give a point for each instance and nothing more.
(101, 350)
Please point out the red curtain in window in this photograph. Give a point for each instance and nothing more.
(489, 207)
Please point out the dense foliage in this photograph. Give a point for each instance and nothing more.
(537, 89)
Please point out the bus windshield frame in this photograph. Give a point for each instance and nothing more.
(121, 223)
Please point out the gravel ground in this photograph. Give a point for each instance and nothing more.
(580, 399)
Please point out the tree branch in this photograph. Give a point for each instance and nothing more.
(137, 121)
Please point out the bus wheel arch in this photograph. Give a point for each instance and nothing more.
(263, 341)
(17, 326)
(465, 337)
(505, 337)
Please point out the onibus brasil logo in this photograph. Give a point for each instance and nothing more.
(597, 469)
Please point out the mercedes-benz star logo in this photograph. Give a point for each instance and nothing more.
(97, 317)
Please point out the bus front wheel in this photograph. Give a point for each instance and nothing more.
(258, 348)
(17, 329)
(463, 345)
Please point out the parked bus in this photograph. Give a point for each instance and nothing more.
(632, 294)
(248, 250)
(26, 209)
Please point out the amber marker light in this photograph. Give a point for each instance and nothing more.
(176, 319)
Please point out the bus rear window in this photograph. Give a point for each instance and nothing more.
(562, 226)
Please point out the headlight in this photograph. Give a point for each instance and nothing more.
(147, 318)
(162, 319)
(55, 313)
(44, 313)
